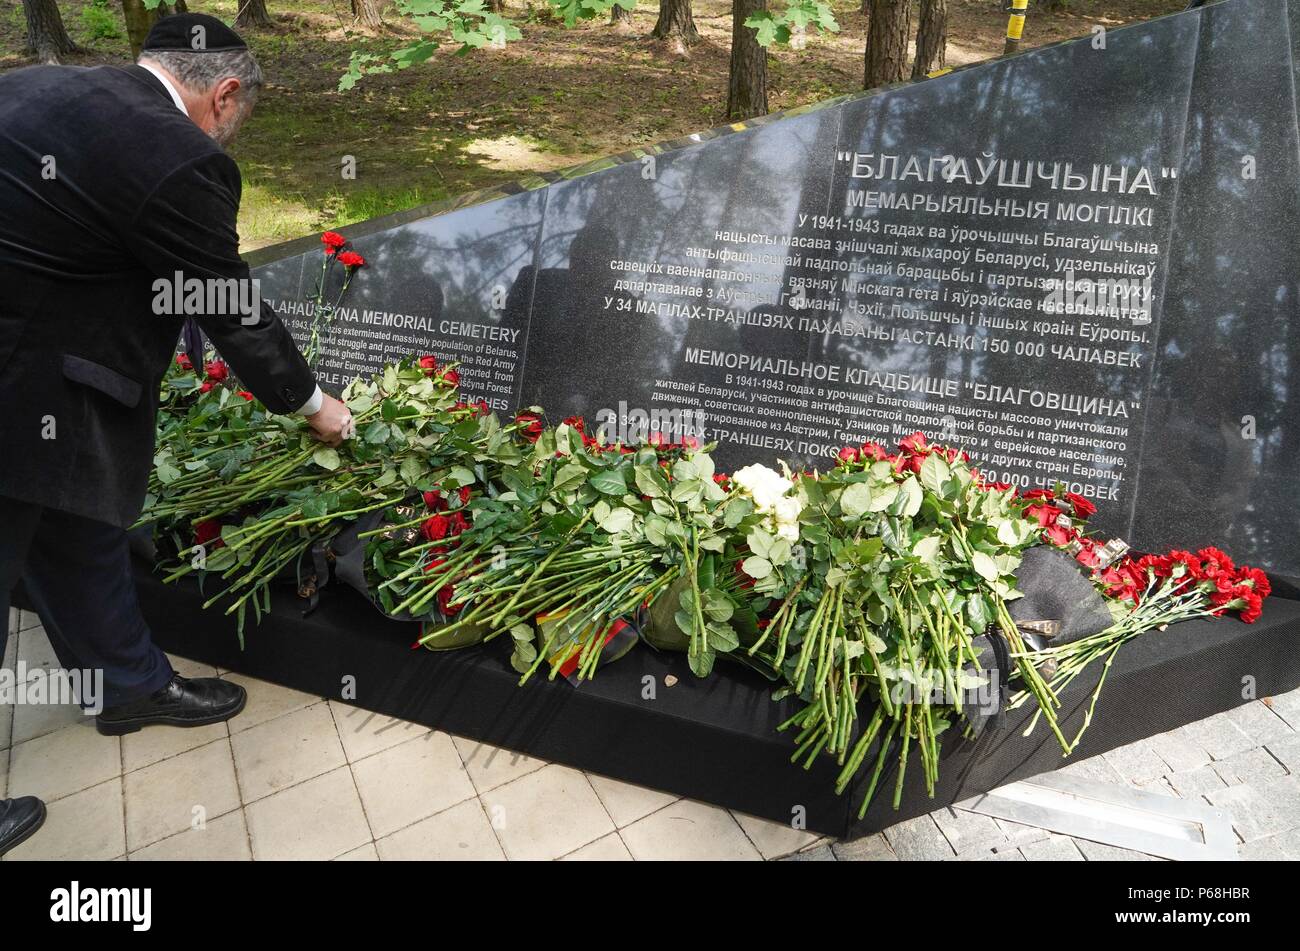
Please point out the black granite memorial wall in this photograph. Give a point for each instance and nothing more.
(1080, 263)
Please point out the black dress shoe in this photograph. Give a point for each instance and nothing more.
(182, 702)
(19, 819)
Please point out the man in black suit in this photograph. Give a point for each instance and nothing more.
(112, 179)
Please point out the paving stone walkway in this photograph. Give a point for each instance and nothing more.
(298, 777)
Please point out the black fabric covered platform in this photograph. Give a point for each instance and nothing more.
(713, 740)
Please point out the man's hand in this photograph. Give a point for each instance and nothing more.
(332, 423)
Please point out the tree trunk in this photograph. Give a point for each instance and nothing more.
(253, 15)
(675, 22)
(496, 6)
(138, 22)
(620, 17)
(887, 36)
(366, 12)
(46, 36)
(931, 37)
(747, 87)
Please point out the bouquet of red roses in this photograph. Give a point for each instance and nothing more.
(1147, 592)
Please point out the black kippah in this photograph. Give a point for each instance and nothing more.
(192, 33)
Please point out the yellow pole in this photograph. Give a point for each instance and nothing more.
(1015, 25)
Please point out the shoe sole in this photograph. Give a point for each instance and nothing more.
(134, 726)
(36, 827)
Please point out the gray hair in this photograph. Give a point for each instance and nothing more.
(200, 71)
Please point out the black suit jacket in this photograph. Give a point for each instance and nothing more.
(106, 186)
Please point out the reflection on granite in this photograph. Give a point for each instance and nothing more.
(807, 280)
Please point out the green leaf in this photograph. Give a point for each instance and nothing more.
(985, 566)
(756, 567)
(618, 520)
(326, 458)
(610, 482)
(856, 500)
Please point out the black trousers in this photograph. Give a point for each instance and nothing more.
(77, 573)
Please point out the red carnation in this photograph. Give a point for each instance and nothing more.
(1256, 579)
(332, 241)
(350, 259)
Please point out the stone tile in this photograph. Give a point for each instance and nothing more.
(773, 839)
(84, 826)
(367, 853)
(289, 749)
(408, 782)
(966, 830)
(1098, 852)
(34, 649)
(1287, 706)
(548, 813)
(1055, 848)
(1096, 768)
(31, 720)
(1286, 751)
(822, 853)
(364, 732)
(1136, 762)
(919, 839)
(28, 619)
(491, 766)
(1176, 749)
(6, 724)
(1196, 783)
(4, 774)
(1018, 834)
(1284, 794)
(59, 764)
(1218, 735)
(1259, 722)
(461, 833)
(1158, 786)
(688, 831)
(223, 839)
(1253, 766)
(191, 669)
(158, 743)
(608, 848)
(1253, 814)
(318, 819)
(266, 701)
(1283, 846)
(1005, 855)
(173, 795)
(627, 803)
(869, 848)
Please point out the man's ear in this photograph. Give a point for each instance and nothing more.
(225, 96)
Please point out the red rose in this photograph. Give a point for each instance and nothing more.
(1087, 555)
(433, 501)
(208, 531)
(530, 426)
(873, 451)
(332, 241)
(1060, 535)
(434, 564)
(246, 395)
(435, 527)
(457, 523)
(452, 378)
(429, 365)
(1046, 495)
(1044, 514)
(465, 493)
(206, 387)
(445, 596)
(351, 259)
(847, 454)
(690, 442)
(1083, 508)
(914, 444)
(655, 439)
(183, 361)
(216, 370)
